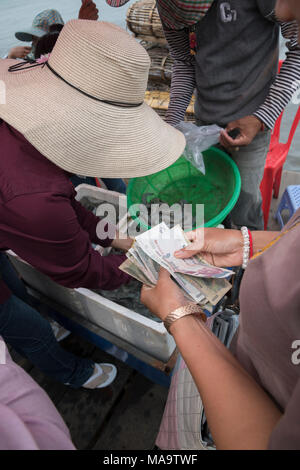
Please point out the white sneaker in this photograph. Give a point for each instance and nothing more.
(103, 376)
(59, 331)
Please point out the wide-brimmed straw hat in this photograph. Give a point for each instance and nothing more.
(84, 109)
(40, 26)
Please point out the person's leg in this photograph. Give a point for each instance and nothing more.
(251, 163)
(11, 278)
(28, 332)
(115, 184)
(17, 286)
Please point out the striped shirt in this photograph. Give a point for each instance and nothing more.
(177, 14)
(281, 92)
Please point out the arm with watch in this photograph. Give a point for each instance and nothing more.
(239, 412)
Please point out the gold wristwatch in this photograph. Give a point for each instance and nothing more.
(190, 309)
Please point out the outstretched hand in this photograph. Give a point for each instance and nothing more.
(88, 11)
(217, 246)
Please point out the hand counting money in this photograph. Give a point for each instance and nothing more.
(203, 283)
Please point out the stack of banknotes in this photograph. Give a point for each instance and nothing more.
(202, 283)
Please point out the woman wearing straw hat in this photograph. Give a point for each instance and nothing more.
(82, 112)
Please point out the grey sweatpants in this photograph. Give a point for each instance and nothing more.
(251, 163)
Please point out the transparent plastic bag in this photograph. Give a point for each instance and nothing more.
(198, 139)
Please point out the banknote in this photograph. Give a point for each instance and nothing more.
(203, 283)
(212, 289)
(194, 266)
(146, 242)
(193, 290)
(160, 243)
(151, 267)
(198, 290)
(130, 268)
(134, 257)
(136, 264)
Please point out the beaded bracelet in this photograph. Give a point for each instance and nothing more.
(246, 251)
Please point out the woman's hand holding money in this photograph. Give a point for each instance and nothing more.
(165, 297)
(221, 247)
(218, 247)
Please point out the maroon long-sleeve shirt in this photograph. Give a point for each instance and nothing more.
(41, 221)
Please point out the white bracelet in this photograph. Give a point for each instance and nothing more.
(246, 250)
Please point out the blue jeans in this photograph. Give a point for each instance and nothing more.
(11, 278)
(31, 335)
(113, 184)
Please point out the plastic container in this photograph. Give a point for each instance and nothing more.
(218, 189)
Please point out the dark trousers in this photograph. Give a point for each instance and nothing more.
(31, 335)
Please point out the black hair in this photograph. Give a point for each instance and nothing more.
(46, 44)
(56, 28)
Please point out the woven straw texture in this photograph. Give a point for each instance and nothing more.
(78, 133)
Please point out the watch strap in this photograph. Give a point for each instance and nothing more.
(190, 309)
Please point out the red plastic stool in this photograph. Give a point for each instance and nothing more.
(98, 184)
(275, 160)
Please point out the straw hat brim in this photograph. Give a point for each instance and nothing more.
(82, 135)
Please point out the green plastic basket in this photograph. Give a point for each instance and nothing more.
(218, 189)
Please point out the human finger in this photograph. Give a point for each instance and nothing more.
(196, 237)
(239, 141)
(192, 250)
(226, 140)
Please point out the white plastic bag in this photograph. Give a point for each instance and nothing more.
(198, 139)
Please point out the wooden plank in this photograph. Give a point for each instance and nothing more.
(85, 411)
(135, 422)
